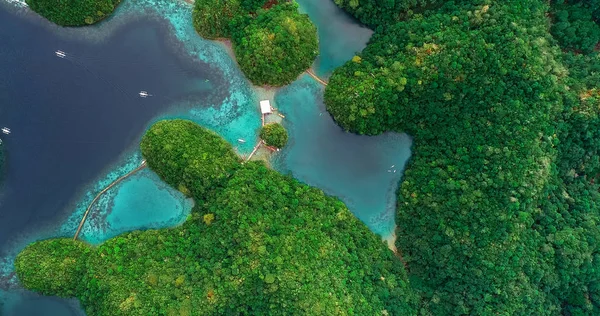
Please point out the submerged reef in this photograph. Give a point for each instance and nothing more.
(257, 242)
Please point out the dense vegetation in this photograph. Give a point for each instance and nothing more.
(274, 134)
(575, 24)
(273, 42)
(498, 209)
(188, 157)
(73, 12)
(257, 243)
(212, 18)
(276, 46)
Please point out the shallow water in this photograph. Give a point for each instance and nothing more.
(362, 171)
(340, 36)
(77, 123)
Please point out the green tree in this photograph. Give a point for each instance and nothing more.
(276, 46)
(274, 134)
(53, 267)
(278, 247)
(73, 12)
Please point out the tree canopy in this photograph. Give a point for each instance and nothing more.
(575, 24)
(260, 243)
(497, 212)
(274, 134)
(188, 157)
(73, 12)
(276, 46)
(273, 42)
(212, 18)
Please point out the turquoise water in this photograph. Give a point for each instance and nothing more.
(357, 169)
(362, 171)
(24, 303)
(340, 36)
(141, 201)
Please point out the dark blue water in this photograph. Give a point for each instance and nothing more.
(77, 121)
(69, 117)
(72, 118)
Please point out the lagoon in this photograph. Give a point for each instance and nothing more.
(77, 122)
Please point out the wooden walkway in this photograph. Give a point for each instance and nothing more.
(140, 167)
(312, 74)
(254, 151)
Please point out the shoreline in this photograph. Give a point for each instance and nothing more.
(391, 240)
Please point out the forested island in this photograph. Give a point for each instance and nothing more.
(257, 242)
(73, 12)
(272, 41)
(274, 134)
(497, 212)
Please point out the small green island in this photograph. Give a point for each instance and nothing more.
(257, 242)
(273, 42)
(73, 12)
(274, 134)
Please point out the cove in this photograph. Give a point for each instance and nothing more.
(77, 123)
(340, 36)
(363, 171)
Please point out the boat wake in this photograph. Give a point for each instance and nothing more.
(19, 3)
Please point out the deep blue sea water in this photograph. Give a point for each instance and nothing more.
(76, 124)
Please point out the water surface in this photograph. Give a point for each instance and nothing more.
(77, 123)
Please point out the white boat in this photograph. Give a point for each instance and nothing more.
(6, 130)
(143, 94)
(241, 140)
(60, 54)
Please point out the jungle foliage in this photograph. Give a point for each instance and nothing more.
(212, 18)
(576, 24)
(273, 43)
(188, 157)
(73, 12)
(498, 209)
(64, 259)
(274, 134)
(276, 46)
(259, 243)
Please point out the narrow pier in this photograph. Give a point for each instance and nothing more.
(254, 151)
(312, 74)
(87, 211)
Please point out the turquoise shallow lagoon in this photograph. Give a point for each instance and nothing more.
(362, 171)
(340, 36)
(215, 94)
(142, 201)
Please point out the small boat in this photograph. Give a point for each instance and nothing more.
(6, 130)
(143, 94)
(241, 140)
(392, 166)
(394, 171)
(60, 54)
